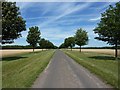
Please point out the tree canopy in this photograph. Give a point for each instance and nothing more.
(108, 28)
(49, 45)
(42, 43)
(46, 44)
(81, 37)
(12, 22)
(69, 42)
(33, 36)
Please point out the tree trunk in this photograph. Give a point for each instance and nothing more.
(71, 49)
(116, 47)
(42, 49)
(33, 49)
(80, 48)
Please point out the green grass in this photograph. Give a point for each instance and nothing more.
(104, 66)
(21, 71)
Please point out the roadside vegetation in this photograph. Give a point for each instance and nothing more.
(105, 66)
(108, 27)
(33, 36)
(22, 70)
(107, 30)
(80, 39)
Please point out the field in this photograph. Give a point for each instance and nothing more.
(12, 52)
(103, 65)
(20, 71)
(21, 67)
(102, 51)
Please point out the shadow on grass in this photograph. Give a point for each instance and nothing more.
(34, 52)
(12, 58)
(103, 57)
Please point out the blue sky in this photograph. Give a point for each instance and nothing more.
(59, 20)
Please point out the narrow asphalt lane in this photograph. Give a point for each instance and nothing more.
(63, 72)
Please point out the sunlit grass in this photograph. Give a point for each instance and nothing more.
(105, 66)
(21, 71)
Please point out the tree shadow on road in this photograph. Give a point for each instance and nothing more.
(12, 58)
(103, 57)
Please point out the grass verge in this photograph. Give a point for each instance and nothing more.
(104, 66)
(21, 71)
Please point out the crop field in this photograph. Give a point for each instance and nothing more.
(102, 51)
(12, 52)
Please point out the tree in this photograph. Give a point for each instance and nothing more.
(55, 47)
(108, 29)
(70, 42)
(49, 45)
(46, 44)
(33, 36)
(66, 45)
(12, 22)
(42, 43)
(81, 37)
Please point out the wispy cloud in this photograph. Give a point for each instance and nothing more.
(104, 7)
(24, 5)
(58, 21)
(24, 33)
(56, 33)
(41, 17)
(68, 10)
(95, 19)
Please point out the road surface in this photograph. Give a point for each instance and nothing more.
(63, 72)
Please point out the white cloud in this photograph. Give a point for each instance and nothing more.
(41, 17)
(104, 7)
(56, 33)
(23, 5)
(95, 19)
(101, 10)
(71, 8)
(25, 33)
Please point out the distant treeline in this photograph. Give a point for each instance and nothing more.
(97, 47)
(55, 47)
(24, 47)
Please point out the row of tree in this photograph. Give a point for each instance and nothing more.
(33, 38)
(46, 44)
(13, 24)
(108, 30)
(39, 47)
(80, 38)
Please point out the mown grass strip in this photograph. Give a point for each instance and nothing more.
(21, 71)
(104, 66)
